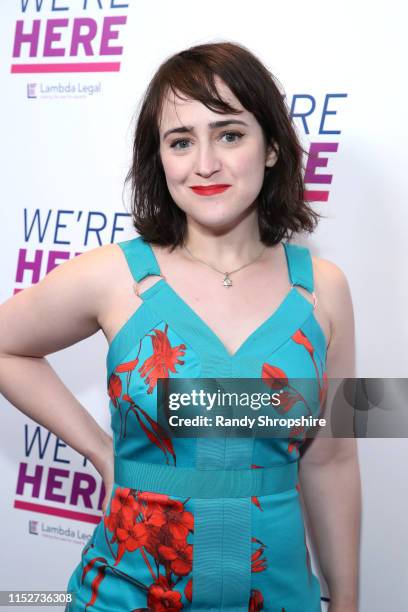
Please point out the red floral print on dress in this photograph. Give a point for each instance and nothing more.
(258, 564)
(157, 434)
(254, 498)
(164, 358)
(161, 598)
(256, 601)
(129, 534)
(170, 511)
(156, 526)
(276, 378)
(300, 338)
(114, 389)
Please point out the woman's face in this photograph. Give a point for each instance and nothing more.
(195, 153)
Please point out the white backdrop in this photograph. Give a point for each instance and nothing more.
(65, 148)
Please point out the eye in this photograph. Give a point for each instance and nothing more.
(176, 142)
(236, 136)
(239, 135)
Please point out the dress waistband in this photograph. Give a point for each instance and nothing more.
(191, 482)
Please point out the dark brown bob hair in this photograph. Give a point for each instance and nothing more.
(281, 208)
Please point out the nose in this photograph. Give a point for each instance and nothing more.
(207, 161)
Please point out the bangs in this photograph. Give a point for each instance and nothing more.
(191, 80)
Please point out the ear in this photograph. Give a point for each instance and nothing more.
(272, 155)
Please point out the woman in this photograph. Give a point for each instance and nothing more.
(211, 287)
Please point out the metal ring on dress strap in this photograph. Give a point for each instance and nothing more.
(313, 295)
(136, 285)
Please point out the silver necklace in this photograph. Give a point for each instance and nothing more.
(227, 282)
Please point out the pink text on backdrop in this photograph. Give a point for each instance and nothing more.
(314, 161)
(34, 264)
(94, 36)
(40, 486)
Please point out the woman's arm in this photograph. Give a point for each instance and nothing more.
(53, 314)
(329, 473)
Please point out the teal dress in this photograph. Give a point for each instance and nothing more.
(202, 523)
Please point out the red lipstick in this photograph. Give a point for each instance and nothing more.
(208, 190)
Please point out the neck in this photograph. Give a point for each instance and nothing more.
(226, 250)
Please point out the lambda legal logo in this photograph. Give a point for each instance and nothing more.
(33, 527)
(31, 90)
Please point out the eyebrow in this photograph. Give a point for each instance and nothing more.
(212, 125)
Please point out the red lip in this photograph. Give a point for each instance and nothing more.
(210, 189)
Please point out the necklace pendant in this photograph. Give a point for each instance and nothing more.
(227, 281)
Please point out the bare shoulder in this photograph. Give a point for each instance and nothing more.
(333, 292)
(104, 264)
(95, 271)
(110, 254)
(108, 276)
(101, 263)
(329, 275)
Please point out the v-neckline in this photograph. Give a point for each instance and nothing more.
(201, 324)
(211, 333)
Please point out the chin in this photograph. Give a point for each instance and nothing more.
(219, 222)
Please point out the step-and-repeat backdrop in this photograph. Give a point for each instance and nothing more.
(72, 75)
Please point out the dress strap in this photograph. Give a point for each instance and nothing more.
(140, 258)
(300, 267)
